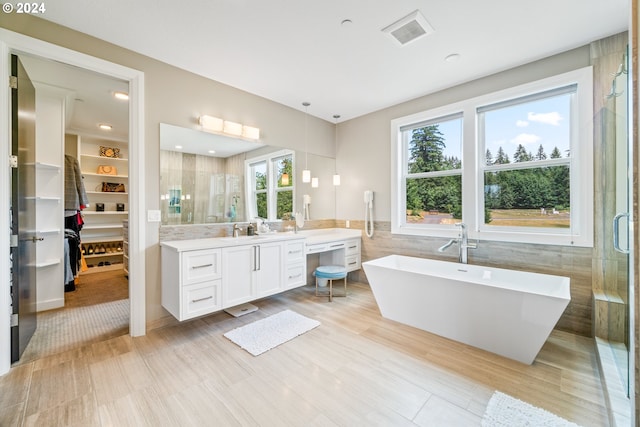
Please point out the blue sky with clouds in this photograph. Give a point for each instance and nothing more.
(532, 123)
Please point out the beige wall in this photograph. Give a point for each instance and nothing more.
(178, 97)
(366, 145)
(365, 142)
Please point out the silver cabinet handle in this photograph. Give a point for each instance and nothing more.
(294, 252)
(297, 275)
(201, 266)
(339, 245)
(202, 299)
(616, 232)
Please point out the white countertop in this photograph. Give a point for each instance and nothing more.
(223, 242)
(312, 237)
(326, 235)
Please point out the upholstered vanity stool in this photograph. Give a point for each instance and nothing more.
(331, 272)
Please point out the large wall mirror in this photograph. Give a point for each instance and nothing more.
(205, 178)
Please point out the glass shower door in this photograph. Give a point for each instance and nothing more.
(620, 274)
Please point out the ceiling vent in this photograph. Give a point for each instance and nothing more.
(410, 28)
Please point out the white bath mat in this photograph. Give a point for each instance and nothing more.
(270, 332)
(506, 411)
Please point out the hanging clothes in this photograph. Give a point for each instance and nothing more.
(75, 199)
(72, 238)
(75, 196)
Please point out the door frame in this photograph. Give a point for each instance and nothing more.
(11, 42)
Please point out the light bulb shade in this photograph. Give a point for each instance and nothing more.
(306, 175)
(336, 179)
(314, 182)
(250, 132)
(232, 128)
(211, 123)
(285, 179)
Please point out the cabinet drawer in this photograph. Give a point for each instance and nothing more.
(295, 275)
(200, 299)
(320, 247)
(352, 247)
(200, 266)
(352, 262)
(294, 251)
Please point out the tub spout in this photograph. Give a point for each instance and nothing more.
(446, 245)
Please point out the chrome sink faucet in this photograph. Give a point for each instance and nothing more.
(463, 244)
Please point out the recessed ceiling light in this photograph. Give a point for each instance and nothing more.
(212, 151)
(121, 95)
(105, 126)
(178, 147)
(346, 22)
(452, 58)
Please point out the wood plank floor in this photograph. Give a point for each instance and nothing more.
(355, 369)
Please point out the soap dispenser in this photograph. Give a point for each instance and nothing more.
(250, 230)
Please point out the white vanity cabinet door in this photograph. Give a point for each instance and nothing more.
(200, 299)
(191, 282)
(238, 277)
(352, 259)
(295, 264)
(269, 269)
(198, 266)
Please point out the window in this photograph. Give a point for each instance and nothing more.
(270, 186)
(514, 165)
(432, 169)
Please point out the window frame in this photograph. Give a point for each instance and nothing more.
(271, 183)
(473, 166)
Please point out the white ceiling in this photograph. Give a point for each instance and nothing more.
(291, 51)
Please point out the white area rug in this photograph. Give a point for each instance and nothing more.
(270, 332)
(506, 411)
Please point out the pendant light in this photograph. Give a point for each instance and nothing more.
(306, 173)
(336, 176)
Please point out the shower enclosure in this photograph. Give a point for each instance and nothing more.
(614, 292)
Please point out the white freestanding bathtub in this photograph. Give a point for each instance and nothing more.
(507, 312)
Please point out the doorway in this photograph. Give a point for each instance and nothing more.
(14, 42)
(84, 299)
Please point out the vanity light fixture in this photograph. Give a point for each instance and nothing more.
(124, 96)
(105, 126)
(250, 132)
(215, 124)
(314, 182)
(306, 173)
(210, 123)
(336, 176)
(232, 128)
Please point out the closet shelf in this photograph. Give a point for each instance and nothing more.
(111, 193)
(43, 198)
(48, 166)
(103, 255)
(104, 175)
(105, 213)
(93, 156)
(48, 263)
(102, 226)
(90, 240)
